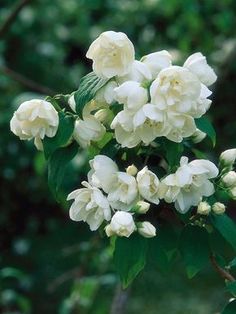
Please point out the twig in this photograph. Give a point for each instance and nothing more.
(120, 300)
(12, 16)
(221, 271)
(26, 81)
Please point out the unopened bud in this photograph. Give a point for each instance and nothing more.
(198, 136)
(229, 179)
(72, 103)
(104, 115)
(109, 231)
(218, 208)
(203, 208)
(142, 207)
(227, 158)
(146, 229)
(132, 170)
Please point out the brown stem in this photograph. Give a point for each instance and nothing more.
(120, 300)
(12, 16)
(221, 271)
(26, 81)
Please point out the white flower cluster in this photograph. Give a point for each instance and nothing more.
(227, 160)
(125, 194)
(158, 98)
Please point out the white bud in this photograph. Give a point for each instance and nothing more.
(104, 115)
(203, 208)
(109, 231)
(198, 136)
(233, 193)
(132, 170)
(227, 158)
(122, 224)
(143, 207)
(72, 103)
(218, 208)
(229, 179)
(146, 229)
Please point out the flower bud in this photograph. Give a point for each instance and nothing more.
(229, 179)
(203, 208)
(109, 231)
(146, 229)
(104, 115)
(143, 207)
(218, 208)
(233, 193)
(132, 170)
(72, 103)
(122, 224)
(198, 136)
(227, 158)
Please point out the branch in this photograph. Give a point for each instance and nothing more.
(221, 271)
(26, 82)
(120, 300)
(12, 16)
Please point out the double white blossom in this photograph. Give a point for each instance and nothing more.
(189, 183)
(157, 61)
(112, 54)
(35, 118)
(90, 206)
(148, 185)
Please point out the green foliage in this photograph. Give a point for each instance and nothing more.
(205, 126)
(230, 308)
(194, 248)
(88, 87)
(57, 165)
(130, 257)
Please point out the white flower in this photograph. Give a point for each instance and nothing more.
(148, 185)
(104, 116)
(87, 130)
(218, 208)
(157, 61)
(103, 172)
(228, 157)
(139, 73)
(123, 192)
(146, 229)
(124, 129)
(197, 64)
(112, 54)
(142, 207)
(90, 206)
(175, 87)
(35, 118)
(132, 170)
(180, 126)
(72, 103)
(149, 123)
(132, 95)
(189, 183)
(106, 93)
(233, 193)
(203, 208)
(229, 179)
(198, 136)
(122, 224)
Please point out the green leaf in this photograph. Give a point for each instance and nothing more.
(230, 308)
(226, 226)
(205, 125)
(88, 87)
(111, 148)
(194, 248)
(63, 135)
(57, 165)
(231, 287)
(173, 153)
(130, 257)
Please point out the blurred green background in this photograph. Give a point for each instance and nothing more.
(48, 263)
